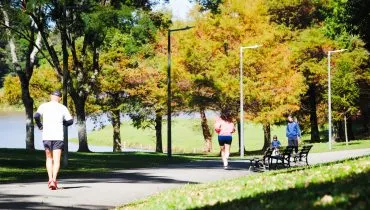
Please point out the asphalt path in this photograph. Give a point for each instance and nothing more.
(124, 186)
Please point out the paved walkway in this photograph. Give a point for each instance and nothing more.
(124, 186)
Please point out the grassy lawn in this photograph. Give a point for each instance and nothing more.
(21, 165)
(187, 138)
(342, 185)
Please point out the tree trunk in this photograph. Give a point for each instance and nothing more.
(351, 135)
(81, 124)
(28, 105)
(266, 136)
(116, 123)
(364, 106)
(158, 131)
(24, 76)
(206, 132)
(340, 130)
(315, 135)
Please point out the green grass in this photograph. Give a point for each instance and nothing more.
(187, 138)
(338, 146)
(341, 185)
(20, 165)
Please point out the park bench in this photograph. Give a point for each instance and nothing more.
(303, 154)
(284, 157)
(261, 162)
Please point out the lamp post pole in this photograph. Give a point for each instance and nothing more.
(242, 99)
(329, 94)
(169, 94)
(65, 80)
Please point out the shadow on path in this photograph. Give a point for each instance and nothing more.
(11, 201)
(124, 177)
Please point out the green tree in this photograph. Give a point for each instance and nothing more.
(24, 43)
(349, 68)
(152, 94)
(4, 68)
(310, 47)
(345, 20)
(128, 83)
(83, 28)
(212, 5)
(298, 14)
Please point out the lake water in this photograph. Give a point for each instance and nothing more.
(13, 131)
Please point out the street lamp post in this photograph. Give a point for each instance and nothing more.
(242, 99)
(65, 80)
(169, 133)
(329, 94)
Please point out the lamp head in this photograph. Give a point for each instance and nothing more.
(251, 47)
(336, 51)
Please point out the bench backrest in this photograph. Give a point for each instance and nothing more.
(288, 151)
(267, 153)
(305, 149)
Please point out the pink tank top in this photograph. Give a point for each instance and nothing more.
(224, 128)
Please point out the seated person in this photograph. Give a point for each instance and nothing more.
(275, 144)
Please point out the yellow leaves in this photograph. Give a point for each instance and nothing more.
(43, 81)
(12, 90)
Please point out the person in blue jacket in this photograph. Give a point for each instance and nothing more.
(275, 144)
(293, 133)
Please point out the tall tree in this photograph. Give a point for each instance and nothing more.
(310, 57)
(346, 19)
(83, 27)
(4, 68)
(22, 28)
(350, 68)
(267, 70)
(197, 61)
(130, 83)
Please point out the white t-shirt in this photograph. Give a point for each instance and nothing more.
(53, 114)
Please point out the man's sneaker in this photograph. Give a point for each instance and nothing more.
(51, 185)
(56, 184)
(225, 167)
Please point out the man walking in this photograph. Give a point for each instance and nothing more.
(293, 133)
(54, 116)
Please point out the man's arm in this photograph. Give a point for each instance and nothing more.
(68, 119)
(67, 122)
(37, 117)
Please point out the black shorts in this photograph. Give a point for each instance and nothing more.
(222, 140)
(53, 145)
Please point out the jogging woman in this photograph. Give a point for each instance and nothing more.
(224, 126)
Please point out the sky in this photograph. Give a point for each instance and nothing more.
(179, 8)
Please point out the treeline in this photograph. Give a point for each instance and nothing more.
(114, 54)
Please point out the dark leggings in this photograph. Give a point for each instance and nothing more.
(294, 144)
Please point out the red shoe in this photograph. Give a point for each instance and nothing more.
(51, 185)
(56, 184)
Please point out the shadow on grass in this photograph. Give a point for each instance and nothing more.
(348, 193)
(20, 165)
